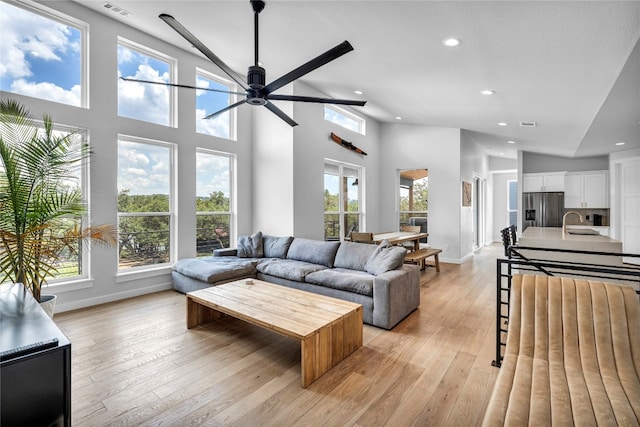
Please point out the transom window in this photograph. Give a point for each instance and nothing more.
(146, 207)
(207, 102)
(344, 118)
(342, 199)
(145, 101)
(214, 200)
(43, 54)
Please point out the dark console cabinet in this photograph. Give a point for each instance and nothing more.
(35, 363)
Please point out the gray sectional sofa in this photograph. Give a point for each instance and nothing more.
(371, 275)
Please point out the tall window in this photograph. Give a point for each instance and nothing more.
(43, 54)
(209, 101)
(344, 118)
(414, 198)
(145, 202)
(342, 199)
(512, 201)
(214, 200)
(145, 101)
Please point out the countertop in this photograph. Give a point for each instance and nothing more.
(552, 237)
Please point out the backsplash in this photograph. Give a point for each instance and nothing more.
(587, 215)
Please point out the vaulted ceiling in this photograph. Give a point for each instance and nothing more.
(572, 67)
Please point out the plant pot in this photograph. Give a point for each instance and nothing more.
(48, 304)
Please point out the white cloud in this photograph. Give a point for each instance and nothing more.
(48, 91)
(216, 126)
(144, 101)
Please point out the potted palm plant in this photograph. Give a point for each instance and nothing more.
(41, 215)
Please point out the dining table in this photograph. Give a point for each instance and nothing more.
(399, 237)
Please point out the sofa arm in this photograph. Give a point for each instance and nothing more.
(396, 293)
(225, 252)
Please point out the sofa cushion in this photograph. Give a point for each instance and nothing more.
(276, 247)
(287, 268)
(343, 279)
(313, 251)
(216, 269)
(385, 258)
(353, 256)
(250, 246)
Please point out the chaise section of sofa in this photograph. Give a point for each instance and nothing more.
(373, 276)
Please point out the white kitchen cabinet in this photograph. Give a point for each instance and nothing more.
(586, 190)
(535, 182)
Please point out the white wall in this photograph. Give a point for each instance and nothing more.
(273, 179)
(438, 150)
(500, 217)
(473, 163)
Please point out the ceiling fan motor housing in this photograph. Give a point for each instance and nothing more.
(256, 77)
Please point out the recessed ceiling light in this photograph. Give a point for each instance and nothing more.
(620, 143)
(503, 124)
(398, 118)
(511, 142)
(358, 92)
(502, 154)
(487, 92)
(451, 42)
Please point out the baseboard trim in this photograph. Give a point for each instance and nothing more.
(103, 299)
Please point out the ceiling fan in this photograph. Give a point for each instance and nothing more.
(256, 91)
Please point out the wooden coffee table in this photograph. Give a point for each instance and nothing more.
(328, 329)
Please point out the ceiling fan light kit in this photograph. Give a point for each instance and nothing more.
(257, 92)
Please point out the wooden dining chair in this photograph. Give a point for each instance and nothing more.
(361, 237)
(411, 229)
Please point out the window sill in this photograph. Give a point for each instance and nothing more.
(128, 276)
(68, 286)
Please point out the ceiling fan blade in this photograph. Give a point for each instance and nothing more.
(227, 108)
(126, 79)
(314, 99)
(278, 112)
(319, 61)
(180, 29)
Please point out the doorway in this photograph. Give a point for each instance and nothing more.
(414, 199)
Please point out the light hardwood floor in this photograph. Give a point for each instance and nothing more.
(135, 363)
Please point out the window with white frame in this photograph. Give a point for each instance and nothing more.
(146, 206)
(149, 102)
(72, 184)
(44, 54)
(512, 201)
(344, 118)
(212, 100)
(343, 207)
(214, 200)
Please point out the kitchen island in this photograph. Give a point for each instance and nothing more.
(554, 238)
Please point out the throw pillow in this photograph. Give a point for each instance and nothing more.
(250, 246)
(276, 247)
(385, 258)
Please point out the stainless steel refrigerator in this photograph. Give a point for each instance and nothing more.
(542, 209)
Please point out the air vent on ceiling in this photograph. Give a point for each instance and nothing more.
(528, 124)
(115, 9)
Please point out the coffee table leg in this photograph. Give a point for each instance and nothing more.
(198, 314)
(330, 345)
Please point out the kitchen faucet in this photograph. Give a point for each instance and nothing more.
(564, 220)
